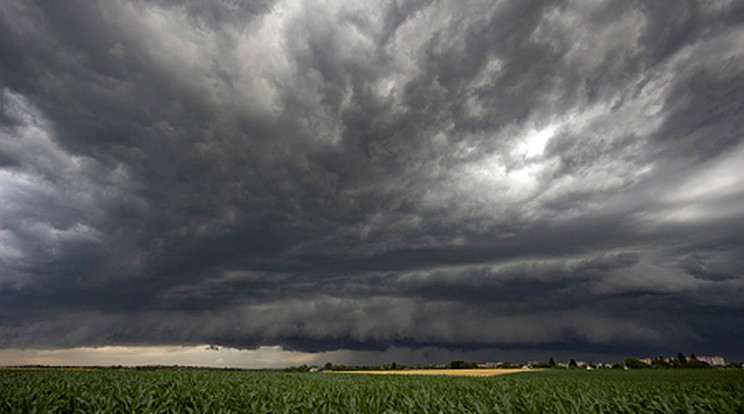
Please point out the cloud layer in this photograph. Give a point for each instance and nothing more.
(329, 175)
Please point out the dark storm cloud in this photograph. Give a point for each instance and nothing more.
(332, 175)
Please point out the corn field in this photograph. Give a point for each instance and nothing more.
(187, 391)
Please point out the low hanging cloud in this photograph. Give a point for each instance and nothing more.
(350, 177)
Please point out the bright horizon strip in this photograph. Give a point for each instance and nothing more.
(197, 355)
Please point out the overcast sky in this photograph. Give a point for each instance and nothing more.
(372, 179)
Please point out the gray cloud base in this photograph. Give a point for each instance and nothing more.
(508, 175)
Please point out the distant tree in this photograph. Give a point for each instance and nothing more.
(572, 363)
(462, 365)
(659, 362)
(393, 365)
(551, 363)
(635, 363)
(681, 358)
(301, 368)
(693, 357)
(328, 366)
(696, 364)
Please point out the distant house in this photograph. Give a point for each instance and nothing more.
(714, 361)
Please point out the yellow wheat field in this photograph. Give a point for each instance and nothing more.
(455, 372)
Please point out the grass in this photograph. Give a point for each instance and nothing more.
(556, 391)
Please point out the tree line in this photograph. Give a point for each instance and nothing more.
(679, 362)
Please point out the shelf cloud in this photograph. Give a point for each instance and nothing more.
(351, 177)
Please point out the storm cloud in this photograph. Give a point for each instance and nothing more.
(334, 175)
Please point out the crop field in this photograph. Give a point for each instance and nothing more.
(554, 391)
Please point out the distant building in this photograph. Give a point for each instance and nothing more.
(714, 361)
(647, 361)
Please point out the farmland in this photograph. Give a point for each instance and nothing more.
(68, 391)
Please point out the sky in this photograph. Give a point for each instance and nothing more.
(267, 183)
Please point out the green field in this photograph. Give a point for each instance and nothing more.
(556, 391)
